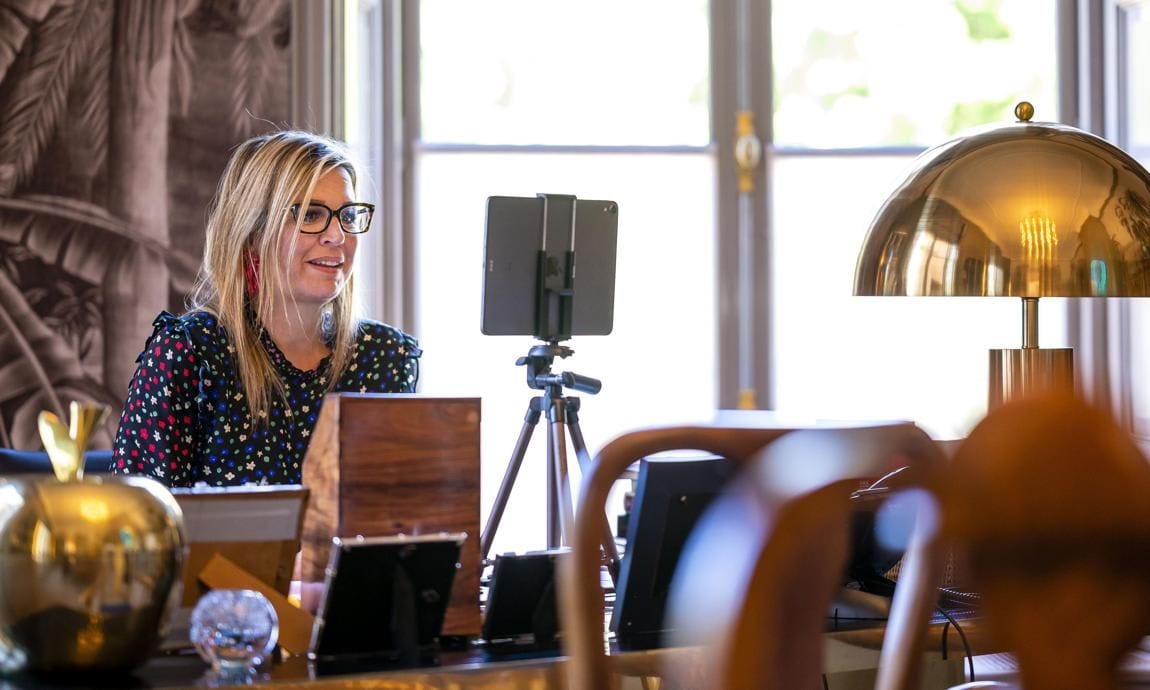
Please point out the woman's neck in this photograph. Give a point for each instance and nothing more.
(298, 336)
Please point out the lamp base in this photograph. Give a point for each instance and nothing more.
(1014, 373)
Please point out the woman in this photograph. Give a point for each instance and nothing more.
(229, 392)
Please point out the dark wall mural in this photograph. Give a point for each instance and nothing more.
(116, 119)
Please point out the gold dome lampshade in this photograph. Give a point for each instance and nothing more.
(1029, 210)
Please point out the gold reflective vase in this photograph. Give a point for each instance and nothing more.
(88, 566)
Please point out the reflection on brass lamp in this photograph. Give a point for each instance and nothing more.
(1030, 210)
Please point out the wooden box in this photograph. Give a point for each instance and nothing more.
(381, 465)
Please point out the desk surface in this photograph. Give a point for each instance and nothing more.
(454, 669)
(850, 649)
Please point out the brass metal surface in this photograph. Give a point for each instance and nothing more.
(1027, 209)
(1024, 111)
(1029, 370)
(66, 444)
(86, 569)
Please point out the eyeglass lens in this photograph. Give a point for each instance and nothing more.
(354, 218)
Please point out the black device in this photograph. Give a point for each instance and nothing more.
(870, 560)
(670, 495)
(385, 598)
(549, 272)
(521, 601)
(549, 266)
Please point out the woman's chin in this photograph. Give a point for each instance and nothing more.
(319, 295)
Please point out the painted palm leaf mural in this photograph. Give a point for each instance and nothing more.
(100, 227)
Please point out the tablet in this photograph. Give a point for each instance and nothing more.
(385, 597)
(533, 248)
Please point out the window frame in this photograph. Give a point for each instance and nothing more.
(1091, 66)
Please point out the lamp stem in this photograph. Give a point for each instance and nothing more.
(1029, 322)
(1031, 369)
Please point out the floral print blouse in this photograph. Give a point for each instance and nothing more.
(186, 419)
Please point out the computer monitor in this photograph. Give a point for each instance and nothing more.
(670, 495)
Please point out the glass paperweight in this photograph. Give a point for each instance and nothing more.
(234, 630)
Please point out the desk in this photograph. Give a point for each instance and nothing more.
(851, 656)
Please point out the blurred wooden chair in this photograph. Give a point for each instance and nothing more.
(1050, 499)
(786, 519)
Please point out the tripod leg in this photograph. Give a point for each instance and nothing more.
(610, 551)
(529, 421)
(577, 434)
(557, 459)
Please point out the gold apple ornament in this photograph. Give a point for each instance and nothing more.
(88, 566)
(67, 444)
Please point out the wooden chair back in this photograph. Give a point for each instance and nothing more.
(793, 492)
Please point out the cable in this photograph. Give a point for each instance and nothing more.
(958, 596)
(962, 635)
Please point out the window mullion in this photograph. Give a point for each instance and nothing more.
(740, 80)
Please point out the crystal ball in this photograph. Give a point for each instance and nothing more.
(234, 629)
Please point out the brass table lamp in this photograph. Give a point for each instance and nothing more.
(1029, 210)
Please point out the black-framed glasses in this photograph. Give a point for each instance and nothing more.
(354, 217)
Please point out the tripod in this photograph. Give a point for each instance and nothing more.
(562, 411)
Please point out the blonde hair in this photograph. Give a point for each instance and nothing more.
(249, 214)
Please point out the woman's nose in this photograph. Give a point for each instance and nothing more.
(333, 234)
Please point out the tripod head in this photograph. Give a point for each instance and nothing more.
(539, 376)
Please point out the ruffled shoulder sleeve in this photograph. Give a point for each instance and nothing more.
(386, 360)
(159, 432)
(195, 340)
(165, 325)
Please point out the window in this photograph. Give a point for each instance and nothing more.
(593, 73)
(524, 97)
(1135, 126)
(857, 95)
(516, 97)
(907, 72)
(1136, 87)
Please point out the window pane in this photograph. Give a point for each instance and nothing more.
(548, 72)
(907, 72)
(658, 365)
(1138, 82)
(1140, 369)
(844, 357)
(1137, 91)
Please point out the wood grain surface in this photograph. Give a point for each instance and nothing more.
(382, 465)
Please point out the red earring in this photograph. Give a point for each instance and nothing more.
(251, 272)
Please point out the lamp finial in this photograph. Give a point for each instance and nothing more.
(1024, 111)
